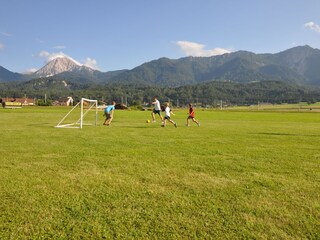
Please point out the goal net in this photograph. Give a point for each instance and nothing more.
(83, 113)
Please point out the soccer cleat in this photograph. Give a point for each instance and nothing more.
(198, 124)
(175, 125)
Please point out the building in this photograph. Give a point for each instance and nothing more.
(17, 102)
(66, 101)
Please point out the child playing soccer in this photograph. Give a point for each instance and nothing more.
(108, 112)
(156, 110)
(168, 112)
(191, 116)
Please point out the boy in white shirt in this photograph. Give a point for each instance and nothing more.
(168, 112)
(156, 110)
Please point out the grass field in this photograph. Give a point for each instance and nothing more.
(241, 174)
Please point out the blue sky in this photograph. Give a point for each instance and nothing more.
(122, 34)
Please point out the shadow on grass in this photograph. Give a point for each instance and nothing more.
(145, 127)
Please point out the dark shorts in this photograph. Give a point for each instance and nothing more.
(166, 117)
(190, 117)
(156, 111)
(108, 116)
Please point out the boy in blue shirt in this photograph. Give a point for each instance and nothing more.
(108, 112)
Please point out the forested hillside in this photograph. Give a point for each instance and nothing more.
(299, 65)
(207, 93)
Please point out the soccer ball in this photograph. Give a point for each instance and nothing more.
(148, 121)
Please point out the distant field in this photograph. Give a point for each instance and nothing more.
(241, 174)
(299, 107)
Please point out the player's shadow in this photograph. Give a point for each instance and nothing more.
(137, 126)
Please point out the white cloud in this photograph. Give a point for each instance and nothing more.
(6, 34)
(312, 26)
(60, 47)
(1, 46)
(29, 71)
(198, 50)
(39, 40)
(92, 63)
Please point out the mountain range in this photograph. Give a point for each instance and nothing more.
(299, 65)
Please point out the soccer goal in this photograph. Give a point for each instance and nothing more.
(83, 113)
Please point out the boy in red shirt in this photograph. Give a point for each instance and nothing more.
(191, 116)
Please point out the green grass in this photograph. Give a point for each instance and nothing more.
(242, 174)
(298, 107)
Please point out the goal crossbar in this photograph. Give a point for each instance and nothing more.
(83, 112)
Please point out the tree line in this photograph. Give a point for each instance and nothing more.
(208, 93)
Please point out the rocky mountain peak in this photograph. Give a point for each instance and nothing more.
(60, 65)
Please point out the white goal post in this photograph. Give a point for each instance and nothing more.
(88, 110)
